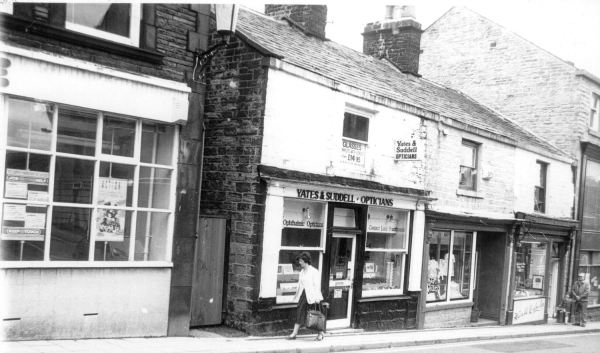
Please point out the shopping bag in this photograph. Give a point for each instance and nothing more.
(315, 320)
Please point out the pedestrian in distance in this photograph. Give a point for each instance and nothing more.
(308, 292)
(580, 292)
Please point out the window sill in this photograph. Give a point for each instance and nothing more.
(381, 299)
(84, 264)
(469, 193)
(593, 132)
(62, 34)
(445, 306)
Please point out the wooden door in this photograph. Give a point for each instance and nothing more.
(209, 270)
(491, 262)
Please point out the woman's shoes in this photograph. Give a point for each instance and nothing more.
(291, 337)
(319, 337)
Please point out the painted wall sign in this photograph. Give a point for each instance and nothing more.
(528, 310)
(353, 153)
(340, 197)
(408, 149)
(23, 222)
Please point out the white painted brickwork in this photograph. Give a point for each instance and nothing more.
(51, 303)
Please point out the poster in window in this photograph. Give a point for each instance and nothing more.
(112, 192)
(23, 222)
(110, 225)
(353, 153)
(369, 267)
(537, 282)
(27, 185)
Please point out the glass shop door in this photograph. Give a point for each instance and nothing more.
(341, 280)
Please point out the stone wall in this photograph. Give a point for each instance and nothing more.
(511, 75)
(387, 315)
(231, 188)
(454, 317)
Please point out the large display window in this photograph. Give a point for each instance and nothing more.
(450, 266)
(302, 230)
(385, 252)
(530, 270)
(84, 185)
(589, 263)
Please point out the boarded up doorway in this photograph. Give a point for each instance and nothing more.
(490, 249)
(209, 271)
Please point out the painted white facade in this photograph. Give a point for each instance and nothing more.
(305, 134)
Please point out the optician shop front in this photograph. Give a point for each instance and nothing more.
(366, 240)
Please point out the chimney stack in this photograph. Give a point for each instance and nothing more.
(397, 38)
(312, 17)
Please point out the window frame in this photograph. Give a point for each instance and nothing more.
(93, 206)
(475, 166)
(134, 28)
(594, 122)
(539, 205)
(587, 269)
(472, 272)
(364, 143)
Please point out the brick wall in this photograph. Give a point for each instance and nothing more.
(231, 188)
(448, 318)
(511, 75)
(387, 315)
(311, 17)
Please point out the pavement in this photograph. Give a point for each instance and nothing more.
(334, 341)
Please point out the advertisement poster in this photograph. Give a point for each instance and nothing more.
(528, 310)
(112, 192)
(110, 224)
(23, 222)
(26, 185)
(353, 153)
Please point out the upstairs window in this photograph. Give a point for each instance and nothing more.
(540, 188)
(355, 137)
(468, 166)
(595, 111)
(116, 22)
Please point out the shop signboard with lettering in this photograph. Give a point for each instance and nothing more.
(409, 149)
(353, 153)
(23, 222)
(528, 310)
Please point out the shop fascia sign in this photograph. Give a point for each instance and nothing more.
(343, 197)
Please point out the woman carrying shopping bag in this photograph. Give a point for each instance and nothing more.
(308, 292)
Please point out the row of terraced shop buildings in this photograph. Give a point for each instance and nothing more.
(141, 199)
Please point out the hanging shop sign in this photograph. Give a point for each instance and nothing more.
(353, 153)
(409, 149)
(26, 185)
(528, 310)
(23, 222)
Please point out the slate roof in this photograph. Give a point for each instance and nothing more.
(355, 69)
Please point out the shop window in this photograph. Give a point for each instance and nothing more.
(116, 22)
(302, 230)
(530, 270)
(450, 272)
(385, 252)
(468, 166)
(540, 187)
(69, 195)
(355, 137)
(594, 113)
(589, 263)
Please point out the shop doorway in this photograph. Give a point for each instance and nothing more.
(553, 289)
(490, 264)
(341, 280)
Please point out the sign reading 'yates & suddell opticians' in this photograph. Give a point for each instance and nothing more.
(408, 149)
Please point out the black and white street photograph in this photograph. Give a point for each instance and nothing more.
(330, 176)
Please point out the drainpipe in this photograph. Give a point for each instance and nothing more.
(573, 240)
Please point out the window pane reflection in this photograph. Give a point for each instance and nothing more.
(151, 236)
(155, 188)
(157, 143)
(73, 180)
(76, 132)
(29, 124)
(70, 234)
(118, 137)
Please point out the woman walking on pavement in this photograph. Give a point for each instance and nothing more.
(308, 292)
